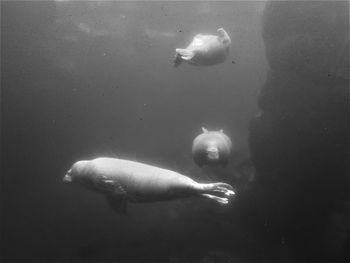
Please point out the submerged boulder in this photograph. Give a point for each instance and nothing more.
(300, 139)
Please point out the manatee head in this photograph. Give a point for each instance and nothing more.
(78, 173)
(211, 148)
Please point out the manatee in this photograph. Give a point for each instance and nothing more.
(205, 50)
(211, 148)
(124, 181)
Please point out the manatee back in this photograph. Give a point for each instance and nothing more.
(203, 42)
(207, 50)
(139, 180)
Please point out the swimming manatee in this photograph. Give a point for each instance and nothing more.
(125, 181)
(211, 148)
(205, 50)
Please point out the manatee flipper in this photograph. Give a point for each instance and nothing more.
(185, 54)
(118, 203)
(117, 200)
(217, 199)
(223, 36)
(111, 186)
(216, 191)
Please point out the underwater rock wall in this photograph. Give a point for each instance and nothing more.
(300, 139)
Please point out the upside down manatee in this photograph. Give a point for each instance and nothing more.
(125, 181)
(205, 50)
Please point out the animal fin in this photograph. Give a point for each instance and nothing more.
(204, 130)
(221, 200)
(219, 192)
(118, 204)
(111, 186)
(185, 54)
(223, 36)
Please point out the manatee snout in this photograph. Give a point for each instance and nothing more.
(68, 178)
(74, 173)
(212, 153)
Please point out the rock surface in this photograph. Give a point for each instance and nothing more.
(300, 139)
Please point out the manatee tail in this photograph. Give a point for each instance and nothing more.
(216, 191)
(182, 54)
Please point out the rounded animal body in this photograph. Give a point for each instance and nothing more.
(211, 148)
(137, 182)
(205, 50)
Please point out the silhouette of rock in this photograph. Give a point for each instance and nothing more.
(300, 140)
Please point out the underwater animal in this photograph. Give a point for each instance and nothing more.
(211, 148)
(124, 181)
(205, 50)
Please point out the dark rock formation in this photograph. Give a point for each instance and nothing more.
(300, 140)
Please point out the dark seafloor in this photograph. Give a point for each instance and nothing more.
(84, 79)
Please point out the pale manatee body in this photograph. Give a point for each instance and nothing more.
(205, 50)
(125, 181)
(211, 148)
